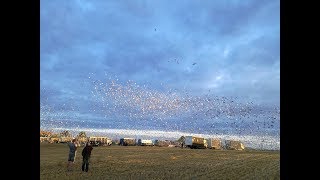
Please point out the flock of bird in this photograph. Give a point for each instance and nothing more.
(170, 110)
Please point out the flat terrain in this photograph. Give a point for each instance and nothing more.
(139, 162)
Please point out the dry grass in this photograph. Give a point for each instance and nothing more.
(138, 162)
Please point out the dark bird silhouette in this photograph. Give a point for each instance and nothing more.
(194, 63)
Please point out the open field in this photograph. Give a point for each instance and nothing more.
(139, 162)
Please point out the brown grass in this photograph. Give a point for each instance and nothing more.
(139, 162)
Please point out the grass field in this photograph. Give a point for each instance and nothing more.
(139, 162)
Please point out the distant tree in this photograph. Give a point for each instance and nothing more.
(54, 135)
(65, 133)
(45, 133)
(82, 134)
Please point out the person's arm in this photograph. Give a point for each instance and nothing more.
(83, 151)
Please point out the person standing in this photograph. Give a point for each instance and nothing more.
(86, 153)
(72, 153)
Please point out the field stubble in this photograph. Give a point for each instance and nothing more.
(138, 162)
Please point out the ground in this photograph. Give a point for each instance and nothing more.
(139, 162)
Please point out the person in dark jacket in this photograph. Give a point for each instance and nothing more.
(86, 153)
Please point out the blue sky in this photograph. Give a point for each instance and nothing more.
(97, 57)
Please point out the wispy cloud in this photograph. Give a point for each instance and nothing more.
(225, 48)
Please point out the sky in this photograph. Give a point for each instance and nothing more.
(182, 65)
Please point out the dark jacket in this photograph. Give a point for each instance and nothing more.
(86, 152)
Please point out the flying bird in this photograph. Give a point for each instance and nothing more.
(194, 64)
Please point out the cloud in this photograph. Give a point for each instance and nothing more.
(228, 48)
